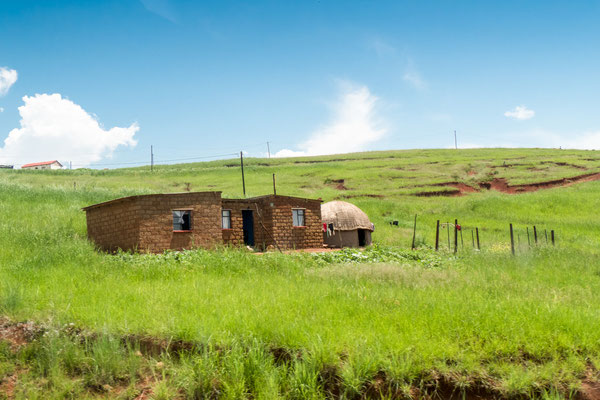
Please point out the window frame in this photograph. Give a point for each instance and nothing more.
(296, 211)
(222, 216)
(190, 222)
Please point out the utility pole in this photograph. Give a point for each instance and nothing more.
(274, 188)
(268, 150)
(151, 158)
(455, 142)
(242, 165)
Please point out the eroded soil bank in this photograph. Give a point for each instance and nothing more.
(159, 362)
(502, 185)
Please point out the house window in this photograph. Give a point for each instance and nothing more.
(226, 219)
(298, 216)
(182, 220)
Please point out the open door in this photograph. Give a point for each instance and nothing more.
(248, 227)
(362, 238)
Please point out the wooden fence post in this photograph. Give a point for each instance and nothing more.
(414, 232)
(437, 235)
(528, 241)
(535, 235)
(512, 240)
(477, 234)
(546, 234)
(552, 236)
(455, 236)
(473, 238)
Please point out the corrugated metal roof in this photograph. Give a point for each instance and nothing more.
(37, 164)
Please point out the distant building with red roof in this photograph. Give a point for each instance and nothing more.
(43, 165)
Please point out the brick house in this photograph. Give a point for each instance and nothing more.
(157, 222)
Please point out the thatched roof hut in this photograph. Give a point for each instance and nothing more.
(347, 225)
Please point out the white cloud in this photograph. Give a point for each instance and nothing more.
(1, 109)
(354, 126)
(54, 128)
(520, 113)
(8, 77)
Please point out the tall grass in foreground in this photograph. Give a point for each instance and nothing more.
(513, 324)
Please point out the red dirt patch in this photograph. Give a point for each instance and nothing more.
(463, 187)
(502, 185)
(18, 334)
(589, 391)
(590, 387)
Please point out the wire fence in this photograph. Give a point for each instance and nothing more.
(450, 236)
(223, 153)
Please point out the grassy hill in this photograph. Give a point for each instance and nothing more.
(387, 323)
(384, 184)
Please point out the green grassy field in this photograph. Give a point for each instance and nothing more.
(386, 323)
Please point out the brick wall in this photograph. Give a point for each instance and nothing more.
(273, 222)
(145, 222)
(156, 221)
(113, 226)
(235, 235)
(289, 236)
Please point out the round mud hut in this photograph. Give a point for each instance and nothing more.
(345, 225)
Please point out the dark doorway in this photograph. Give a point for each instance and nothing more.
(362, 238)
(248, 227)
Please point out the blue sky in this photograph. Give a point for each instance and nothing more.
(106, 79)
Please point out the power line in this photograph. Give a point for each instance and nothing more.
(159, 161)
(200, 158)
(17, 160)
